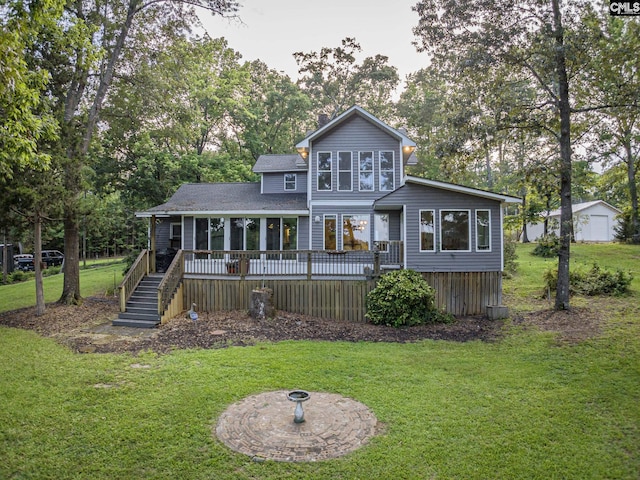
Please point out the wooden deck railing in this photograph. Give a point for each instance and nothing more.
(290, 263)
(138, 270)
(170, 282)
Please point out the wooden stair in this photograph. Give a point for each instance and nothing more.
(142, 307)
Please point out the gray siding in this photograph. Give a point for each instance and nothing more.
(274, 183)
(354, 135)
(317, 228)
(416, 198)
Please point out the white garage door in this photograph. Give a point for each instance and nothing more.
(598, 229)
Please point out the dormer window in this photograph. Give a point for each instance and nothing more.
(290, 181)
(365, 171)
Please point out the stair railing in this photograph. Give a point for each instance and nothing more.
(138, 270)
(170, 282)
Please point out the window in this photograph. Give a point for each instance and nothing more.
(330, 232)
(175, 231)
(454, 230)
(202, 234)
(381, 231)
(387, 176)
(355, 232)
(483, 230)
(365, 171)
(217, 234)
(427, 231)
(345, 167)
(245, 234)
(324, 171)
(282, 234)
(289, 181)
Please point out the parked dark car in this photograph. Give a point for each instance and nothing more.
(50, 258)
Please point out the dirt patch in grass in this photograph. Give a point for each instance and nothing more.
(87, 328)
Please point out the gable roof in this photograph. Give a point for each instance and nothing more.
(225, 198)
(452, 187)
(278, 163)
(356, 110)
(581, 207)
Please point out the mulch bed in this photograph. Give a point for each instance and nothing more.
(86, 328)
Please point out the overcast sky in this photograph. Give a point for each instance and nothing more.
(272, 30)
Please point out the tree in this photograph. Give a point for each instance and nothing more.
(112, 28)
(533, 44)
(335, 81)
(23, 121)
(275, 115)
(614, 81)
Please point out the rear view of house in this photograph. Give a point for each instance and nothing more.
(338, 213)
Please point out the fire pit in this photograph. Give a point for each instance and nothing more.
(298, 396)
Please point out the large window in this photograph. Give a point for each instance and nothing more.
(217, 234)
(381, 231)
(244, 234)
(345, 171)
(427, 231)
(330, 232)
(289, 181)
(483, 230)
(454, 230)
(365, 171)
(387, 175)
(324, 171)
(355, 232)
(282, 234)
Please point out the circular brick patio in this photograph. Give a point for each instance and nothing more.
(262, 427)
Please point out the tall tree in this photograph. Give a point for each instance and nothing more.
(23, 121)
(335, 80)
(532, 41)
(114, 28)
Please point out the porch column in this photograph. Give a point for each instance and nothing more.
(152, 245)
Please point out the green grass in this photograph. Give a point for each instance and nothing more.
(525, 407)
(100, 278)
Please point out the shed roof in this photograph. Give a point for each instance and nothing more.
(581, 207)
(225, 198)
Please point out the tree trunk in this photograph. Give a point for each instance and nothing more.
(633, 190)
(566, 215)
(525, 234)
(37, 263)
(76, 156)
(71, 288)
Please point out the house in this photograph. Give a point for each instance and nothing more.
(340, 211)
(594, 221)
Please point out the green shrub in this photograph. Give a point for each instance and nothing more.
(403, 297)
(547, 247)
(510, 255)
(20, 276)
(47, 272)
(594, 281)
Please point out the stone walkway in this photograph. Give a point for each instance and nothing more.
(262, 427)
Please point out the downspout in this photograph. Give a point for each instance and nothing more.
(152, 245)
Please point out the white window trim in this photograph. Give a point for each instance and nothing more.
(324, 222)
(171, 227)
(373, 171)
(477, 237)
(381, 171)
(295, 182)
(350, 189)
(468, 227)
(324, 171)
(433, 214)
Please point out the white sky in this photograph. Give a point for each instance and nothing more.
(272, 30)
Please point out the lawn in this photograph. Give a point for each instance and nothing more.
(99, 277)
(523, 407)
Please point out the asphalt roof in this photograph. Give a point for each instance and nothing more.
(193, 198)
(279, 163)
